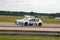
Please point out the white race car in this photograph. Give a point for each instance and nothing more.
(29, 21)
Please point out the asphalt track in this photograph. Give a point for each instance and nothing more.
(45, 29)
(6, 24)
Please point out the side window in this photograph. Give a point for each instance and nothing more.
(32, 20)
(36, 20)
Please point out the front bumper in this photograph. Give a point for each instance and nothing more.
(16, 22)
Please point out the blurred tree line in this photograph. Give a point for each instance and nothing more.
(21, 13)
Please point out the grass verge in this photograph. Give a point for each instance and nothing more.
(10, 18)
(13, 18)
(51, 21)
(27, 37)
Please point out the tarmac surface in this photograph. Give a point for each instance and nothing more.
(6, 24)
(44, 27)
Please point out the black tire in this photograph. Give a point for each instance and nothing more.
(26, 24)
(40, 24)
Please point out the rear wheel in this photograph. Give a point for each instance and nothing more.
(40, 24)
(26, 24)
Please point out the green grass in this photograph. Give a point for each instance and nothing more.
(13, 18)
(9, 18)
(27, 37)
(51, 21)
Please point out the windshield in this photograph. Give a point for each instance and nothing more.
(26, 18)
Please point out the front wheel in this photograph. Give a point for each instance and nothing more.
(26, 24)
(40, 24)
